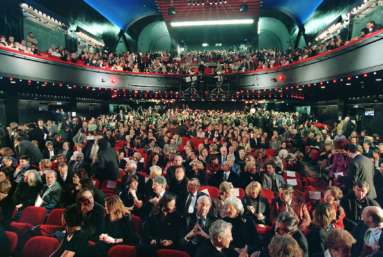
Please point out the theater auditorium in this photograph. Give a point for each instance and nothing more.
(191, 128)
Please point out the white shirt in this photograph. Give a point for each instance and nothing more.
(192, 203)
(373, 235)
(56, 54)
(64, 177)
(226, 174)
(219, 249)
(51, 153)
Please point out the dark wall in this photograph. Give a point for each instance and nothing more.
(90, 110)
(326, 113)
(3, 120)
(11, 20)
(29, 111)
(374, 124)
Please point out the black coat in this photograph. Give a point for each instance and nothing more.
(247, 177)
(87, 150)
(93, 222)
(190, 221)
(45, 154)
(107, 165)
(349, 204)
(217, 179)
(26, 195)
(201, 176)
(182, 198)
(124, 150)
(263, 207)
(177, 187)
(244, 233)
(28, 148)
(360, 168)
(315, 239)
(207, 249)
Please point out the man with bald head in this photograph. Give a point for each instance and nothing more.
(369, 232)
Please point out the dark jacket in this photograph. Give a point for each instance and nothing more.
(51, 199)
(207, 249)
(217, 179)
(262, 207)
(93, 222)
(315, 239)
(28, 148)
(349, 204)
(358, 233)
(182, 198)
(26, 195)
(107, 165)
(360, 168)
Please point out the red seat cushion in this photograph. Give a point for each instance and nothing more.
(122, 251)
(46, 230)
(40, 246)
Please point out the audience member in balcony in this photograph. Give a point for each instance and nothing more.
(51, 49)
(56, 53)
(33, 48)
(22, 46)
(354, 204)
(286, 202)
(3, 42)
(373, 27)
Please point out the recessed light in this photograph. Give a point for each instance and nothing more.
(348, 84)
(378, 79)
(322, 87)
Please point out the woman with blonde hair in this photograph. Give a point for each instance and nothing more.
(255, 205)
(285, 246)
(226, 189)
(119, 227)
(197, 171)
(249, 175)
(323, 217)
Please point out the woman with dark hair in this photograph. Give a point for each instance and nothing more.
(340, 162)
(323, 217)
(87, 183)
(119, 228)
(70, 194)
(75, 241)
(7, 173)
(6, 204)
(178, 182)
(213, 166)
(132, 199)
(162, 228)
(298, 166)
(154, 160)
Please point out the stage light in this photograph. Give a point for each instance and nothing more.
(211, 22)
(349, 78)
(281, 78)
(244, 7)
(334, 81)
(203, 2)
(365, 75)
(190, 1)
(216, 1)
(29, 81)
(211, 2)
(113, 81)
(10, 79)
(198, 3)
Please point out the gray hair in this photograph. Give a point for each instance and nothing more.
(288, 188)
(290, 220)
(195, 181)
(80, 154)
(51, 171)
(160, 180)
(201, 198)
(231, 157)
(48, 143)
(242, 151)
(134, 164)
(219, 228)
(236, 203)
(223, 148)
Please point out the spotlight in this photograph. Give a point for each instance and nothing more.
(224, 1)
(190, 1)
(244, 7)
(198, 2)
(103, 80)
(216, 1)
(220, 1)
(211, 2)
(113, 81)
(281, 78)
(203, 2)
(172, 10)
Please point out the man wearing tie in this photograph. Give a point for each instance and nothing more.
(66, 151)
(223, 155)
(198, 224)
(128, 152)
(78, 162)
(369, 232)
(65, 175)
(271, 180)
(187, 199)
(225, 175)
(49, 196)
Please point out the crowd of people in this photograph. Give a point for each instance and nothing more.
(171, 62)
(159, 158)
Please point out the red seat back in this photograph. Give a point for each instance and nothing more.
(137, 223)
(268, 194)
(184, 140)
(241, 193)
(55, 217)
(33, 215)
(12, 241)
(314, 155)
(270, 152)
(171, 253)
(213, 191)
(122, 251)
(40, 246)
(142, 173)
(96, 183)
(46, 230)
(181, 148)
(110, 186)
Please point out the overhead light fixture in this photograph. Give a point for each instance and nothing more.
(194, 2)
(211, 2)
(220, 1)
(216, 1)
(203, 2)
(208, 23)
(244, 7)
(378, 79)
(348, 84)
(198, 3)
(190, 1)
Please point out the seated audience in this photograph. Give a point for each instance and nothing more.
(338, 243)
(187, 200)
(286, 202)
(226, 190)
(50, 194)
(271, 180)
(131, 197)
(225, 175)
(7, 205)
(256, 206)
(284, 245)
(249, 175)
(179, 182)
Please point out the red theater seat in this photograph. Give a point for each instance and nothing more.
(122, 251)
(213, 191)
(40, 246)
(12, 241)
(171, 253)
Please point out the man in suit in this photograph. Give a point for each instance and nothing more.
(272, 180)
(171, 148)
(128, 152)
(66, 150)
(52, 129)
(131, 169)
(187, 200)
(49, 152)
(65, 176)
(25, 147)
(360, 168)
(120, 116)
(219, 242)
(367, 151)
(197, 224)
(49, 196)
(222, 157)
(273, 125)
(150, 146)
(121, 136)
(80, 137)
(91, 148)
(43, 133)
(286, 224)
(225, 175)
(354, 203)
(274, 143)
(106, 167)
(78, 162)
(369, 231)
(66, 128)
(171, 170)
(377, 160)
(286, 202)
(178, 139)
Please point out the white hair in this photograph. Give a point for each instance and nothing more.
(231, 157)
(283, 154)
(219, 229)
(236, 203)
(223, 148)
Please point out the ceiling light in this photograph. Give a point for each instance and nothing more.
(190, 1)
(211, 2)
(322, 87)
(348, 84)
(244, 7)
(378, 79)
(203, 2)
(207, 23)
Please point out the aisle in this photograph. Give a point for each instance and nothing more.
(321, 185)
